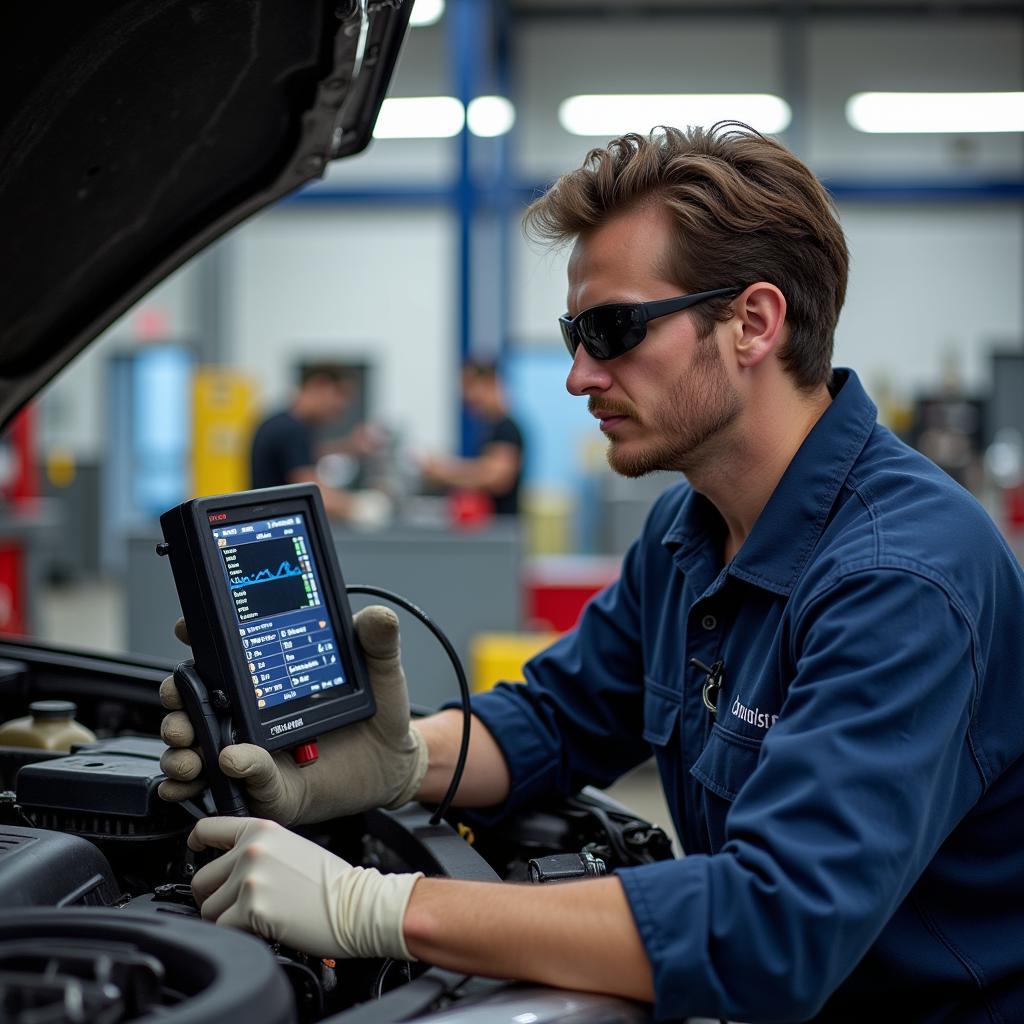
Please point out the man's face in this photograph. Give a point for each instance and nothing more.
(475, 391)
(331, 398)
(668, 403)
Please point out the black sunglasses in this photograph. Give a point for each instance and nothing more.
(608, 331)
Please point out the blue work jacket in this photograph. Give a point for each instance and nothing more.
(853, 811)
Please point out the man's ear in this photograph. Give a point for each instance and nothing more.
(760, 310)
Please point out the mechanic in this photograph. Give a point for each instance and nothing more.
(284, 447)
(498, 470)
(818, 635)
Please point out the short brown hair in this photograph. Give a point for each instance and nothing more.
(480, 368)
(746, 210)
(331, 373)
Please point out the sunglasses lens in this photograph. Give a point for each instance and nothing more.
(591, 334)
(609, 331)
(567, 335)
(604, 331)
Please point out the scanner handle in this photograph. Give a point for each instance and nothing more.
(211, 734)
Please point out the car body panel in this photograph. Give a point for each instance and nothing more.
(133, 133)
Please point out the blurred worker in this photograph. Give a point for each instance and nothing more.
(284, 447)
(498, 470)
(817, 635)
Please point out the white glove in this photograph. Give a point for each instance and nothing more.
(376, 763)
(278, 885)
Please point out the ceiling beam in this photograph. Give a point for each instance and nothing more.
(606, 10)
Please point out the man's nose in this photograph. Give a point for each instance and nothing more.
(587, 374)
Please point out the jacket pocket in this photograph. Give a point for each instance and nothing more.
(724, 765)
(661, 710)
(726, 762)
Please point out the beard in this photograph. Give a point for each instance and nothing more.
(699, 406)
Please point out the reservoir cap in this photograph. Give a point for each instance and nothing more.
(47, 710)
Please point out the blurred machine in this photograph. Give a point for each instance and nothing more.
(145, 469)
(1004, 457)
(950, 430)
(174, 430)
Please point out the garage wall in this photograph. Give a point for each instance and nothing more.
(379, 282)
(932, 290)
(847, 57)
(361, 285)
(72, 414)
(931, 284)
(562, 59)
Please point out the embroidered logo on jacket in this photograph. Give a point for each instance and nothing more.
(753, 716)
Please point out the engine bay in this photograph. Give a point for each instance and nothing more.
(98, 919)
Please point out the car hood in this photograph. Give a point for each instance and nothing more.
(135, 132)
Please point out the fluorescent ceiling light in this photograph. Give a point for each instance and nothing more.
(420, 117)
(615, 115)
(426, 12)
(936, 111)
(489, 116)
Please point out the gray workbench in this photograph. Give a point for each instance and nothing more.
(467, 582)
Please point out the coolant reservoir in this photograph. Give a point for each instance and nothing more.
(50, 726)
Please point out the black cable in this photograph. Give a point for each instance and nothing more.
(378, 985)
(460, 674)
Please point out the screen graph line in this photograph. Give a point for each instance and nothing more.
(284, 571)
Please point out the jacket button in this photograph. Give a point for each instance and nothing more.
(709, 622)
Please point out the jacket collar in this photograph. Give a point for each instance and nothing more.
(788, 528)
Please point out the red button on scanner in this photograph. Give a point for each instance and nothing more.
(305, 753)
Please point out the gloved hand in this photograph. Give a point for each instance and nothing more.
(287, 889)
(379, 762)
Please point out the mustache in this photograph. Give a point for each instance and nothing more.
(608, 407)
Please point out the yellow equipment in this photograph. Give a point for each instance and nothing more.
(500, 656)
(224, 412)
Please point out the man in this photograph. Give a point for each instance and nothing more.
(284, 448)
(818, 635)
(497, 471)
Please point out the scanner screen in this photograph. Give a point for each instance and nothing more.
(284, 626)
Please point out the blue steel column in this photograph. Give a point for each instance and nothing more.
(467, 36)
(503, 76)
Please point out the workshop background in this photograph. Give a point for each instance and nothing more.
(408, 259)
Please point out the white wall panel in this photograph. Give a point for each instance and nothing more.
(73, 415)
(931, 285)
(897, 56)
(356, 284)
(540, 288)
(561, 59)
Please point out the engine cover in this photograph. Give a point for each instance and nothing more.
(39, 868)
(106, 790)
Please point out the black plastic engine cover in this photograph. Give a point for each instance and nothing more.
(50, 869)
(106, 790)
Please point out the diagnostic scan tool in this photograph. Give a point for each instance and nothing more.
(276, 662)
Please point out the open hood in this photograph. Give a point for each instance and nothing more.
(135, 132)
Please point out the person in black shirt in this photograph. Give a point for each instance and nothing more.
(498, 469)
(284, 448)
